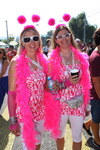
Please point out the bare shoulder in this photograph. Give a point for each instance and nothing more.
(13, 62)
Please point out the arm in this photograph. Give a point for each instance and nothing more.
(4, 67)
(14, 127)
(96, 82)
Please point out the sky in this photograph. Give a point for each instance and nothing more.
(46, 9)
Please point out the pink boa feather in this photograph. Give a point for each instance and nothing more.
(22, 98)
(52, 106)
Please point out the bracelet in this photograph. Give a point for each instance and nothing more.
(61, 85)
(13, 120)
(13, 126)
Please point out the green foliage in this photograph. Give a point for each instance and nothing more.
(10, 38)
(81, 28)
(45, 37)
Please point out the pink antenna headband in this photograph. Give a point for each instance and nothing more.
(36, 18)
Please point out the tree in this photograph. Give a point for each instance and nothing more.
(81, 28)
(10, 38)
(45, 37)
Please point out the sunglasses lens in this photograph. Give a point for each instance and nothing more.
(67, 35)
(0, 52)
(35, 38)
(26, 40)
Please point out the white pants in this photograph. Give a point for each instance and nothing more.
(76, 126)
(39, 127)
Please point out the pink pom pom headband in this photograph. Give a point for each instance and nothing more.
(36, 18)
(51, 21)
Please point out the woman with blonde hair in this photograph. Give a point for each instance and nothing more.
(26, 89)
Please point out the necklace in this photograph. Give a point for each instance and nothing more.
(67, 59)
(35, 63)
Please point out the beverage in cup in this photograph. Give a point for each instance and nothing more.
(74, 72)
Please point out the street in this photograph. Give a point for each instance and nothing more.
(9, 142)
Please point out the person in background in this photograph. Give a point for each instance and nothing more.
(95, 91)
(26, 89)
(74, 95)
(3, 75)
(11, 53)
(80, 44)
(46, 48)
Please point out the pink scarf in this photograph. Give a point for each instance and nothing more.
(23, 96)
(53, 106)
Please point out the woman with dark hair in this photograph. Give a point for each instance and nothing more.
(3, 75)
(95, 91)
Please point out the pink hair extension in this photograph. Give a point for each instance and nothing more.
(21, 19)
(51, 22)
(35, 18)
(66, 17)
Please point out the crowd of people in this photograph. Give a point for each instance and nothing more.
(33, 105)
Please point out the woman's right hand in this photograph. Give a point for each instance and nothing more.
(74, 79)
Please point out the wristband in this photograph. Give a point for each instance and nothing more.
(13, 120)
(14, 126)
(67, 83)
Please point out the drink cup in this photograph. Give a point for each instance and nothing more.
(74, 72)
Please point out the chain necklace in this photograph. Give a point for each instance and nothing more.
(35, 63)
(67, 60)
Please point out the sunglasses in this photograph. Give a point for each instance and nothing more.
(1, 52)
(60, 37)
(28, 39)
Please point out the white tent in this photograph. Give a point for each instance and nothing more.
(13, 43)
(3, 44)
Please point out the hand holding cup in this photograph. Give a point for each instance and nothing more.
(74, 75)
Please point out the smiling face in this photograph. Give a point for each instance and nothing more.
(63, 38)
(31, 42)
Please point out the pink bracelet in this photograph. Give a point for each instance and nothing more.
(14, 126)
(67, 83)
(12, 92)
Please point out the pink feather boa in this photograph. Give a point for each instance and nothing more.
(23, 95)
(52, 106)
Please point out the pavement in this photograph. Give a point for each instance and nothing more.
(9, 142)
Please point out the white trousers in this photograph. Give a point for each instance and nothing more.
(39, 127)
(76, 123)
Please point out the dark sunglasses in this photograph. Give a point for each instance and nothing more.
(28, 39)
(1, 52)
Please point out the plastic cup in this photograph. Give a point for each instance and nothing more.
(74, 72)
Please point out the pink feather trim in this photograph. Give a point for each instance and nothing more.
(35, 18)
(66, 17)
(21, 19)
(23, 95)
(53, 107)
(51, 22)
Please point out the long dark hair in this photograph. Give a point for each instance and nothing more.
(4, 54)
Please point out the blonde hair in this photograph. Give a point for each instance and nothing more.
(28, 29)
